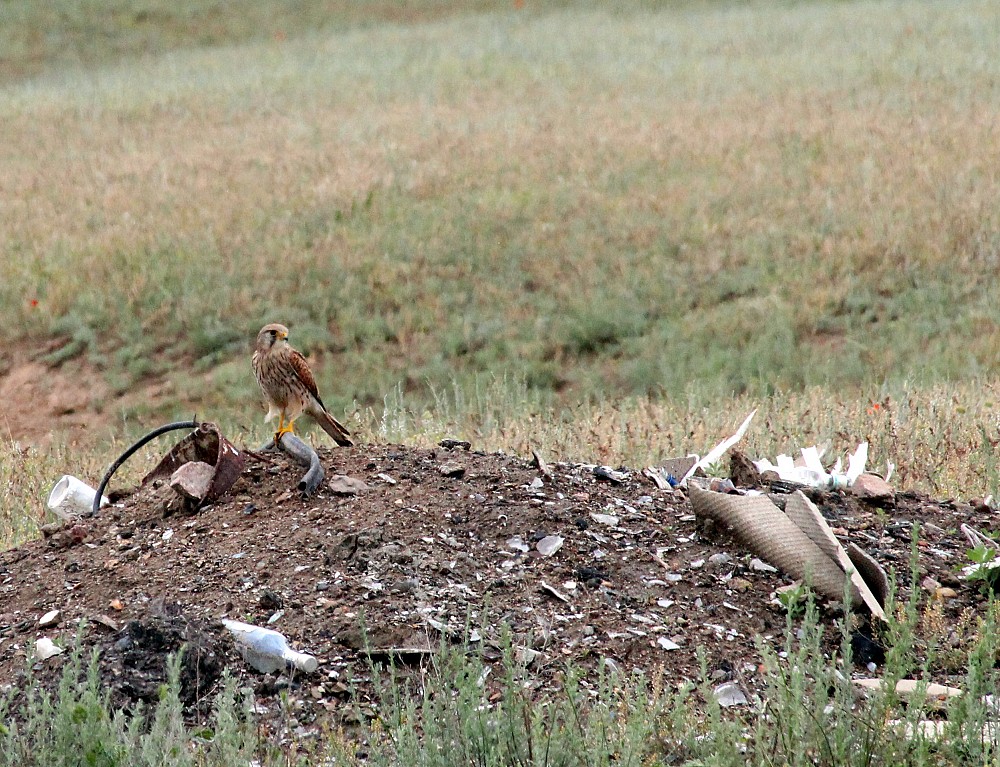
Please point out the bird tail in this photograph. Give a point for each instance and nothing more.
(333, 427)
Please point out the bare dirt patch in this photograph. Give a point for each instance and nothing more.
(440, 544)
(39, 399)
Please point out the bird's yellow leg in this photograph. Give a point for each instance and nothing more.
(281, 427)
(284, 427)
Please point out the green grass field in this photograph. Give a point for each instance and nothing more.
(605, 234)
(604, 204)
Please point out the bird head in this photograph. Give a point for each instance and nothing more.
(271, 334)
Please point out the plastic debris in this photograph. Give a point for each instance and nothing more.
(70, 497)
(266, 649)
(713, 455)
(811, 472)
(45, 648)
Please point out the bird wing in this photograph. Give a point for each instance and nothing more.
(301, 368)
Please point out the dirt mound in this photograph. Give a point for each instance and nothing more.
(433, 545)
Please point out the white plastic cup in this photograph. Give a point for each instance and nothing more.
(71, 497)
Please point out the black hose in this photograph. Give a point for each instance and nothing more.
(128, 454)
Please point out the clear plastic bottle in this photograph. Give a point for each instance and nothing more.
(266, 649)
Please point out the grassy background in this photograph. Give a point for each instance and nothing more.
(515, 220)
(753, 197)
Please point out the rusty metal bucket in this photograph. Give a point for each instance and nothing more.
(203, 445)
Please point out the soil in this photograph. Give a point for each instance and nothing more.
(433, 545)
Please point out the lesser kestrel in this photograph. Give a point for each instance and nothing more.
(289, 386)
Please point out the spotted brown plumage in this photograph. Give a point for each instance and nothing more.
(289, 385)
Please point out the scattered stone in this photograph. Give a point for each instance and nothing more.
(341, 484)
(518, 544)
(729, 694)
(386, 478)
(606, 472)
(450, 444)
(270, 600)
(51, 618)
(667, 644)
(760, 566)
(874, 490)
(742, 471)
(107, 622)
(720, 559)
(453, 470)
(525, 655)
(549, 545)
(605, 519)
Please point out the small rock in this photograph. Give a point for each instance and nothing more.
(270, 600)
(536, 484)
(742, 471)
(929, 584)
(604, 519)
(341, 484)
(606, 472)
(51, 618)
(722, 486)
(322, 585)
(107, 622)
(518, 544)
(193, 480)
(729, 694)
(453, 470)
(740, 585)
(549, 545)
(874, 490)
(404, 586)
(667, 644)
(722, 558)
(526, 655)
(760, 566)
(51, 528)
(451, 444)
(387, 479)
